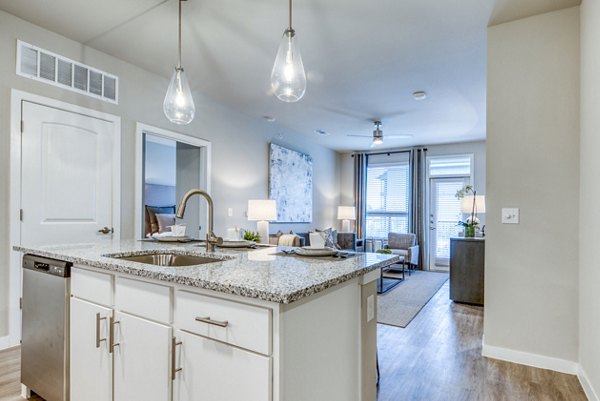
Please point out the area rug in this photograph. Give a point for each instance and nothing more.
(399, 306)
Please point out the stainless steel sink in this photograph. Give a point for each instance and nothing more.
(169, 259)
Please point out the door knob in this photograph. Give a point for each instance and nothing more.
(106, 230)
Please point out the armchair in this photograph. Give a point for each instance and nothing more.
(405, 245)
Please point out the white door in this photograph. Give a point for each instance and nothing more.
(211, 370)
(66, 176)
(444, 214)
(91, 363)
(142, 363)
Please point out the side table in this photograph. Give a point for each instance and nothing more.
(386, 283)
(348, 241)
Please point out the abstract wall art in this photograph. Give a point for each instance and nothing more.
(291, 184)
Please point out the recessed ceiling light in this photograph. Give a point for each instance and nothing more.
(321, 132)
(419, 95)
(269, 118)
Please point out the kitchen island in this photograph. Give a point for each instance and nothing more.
(253, 325)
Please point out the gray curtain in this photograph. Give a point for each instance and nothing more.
(360, 192)
(418, 222)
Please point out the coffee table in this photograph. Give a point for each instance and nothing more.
(386, 283)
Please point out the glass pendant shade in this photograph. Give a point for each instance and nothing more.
(288, 79)
(179, 104)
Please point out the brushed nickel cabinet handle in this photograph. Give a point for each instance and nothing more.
(98, 339)
(174, 368)
(208, 320)
(106, 230)
(111, 333)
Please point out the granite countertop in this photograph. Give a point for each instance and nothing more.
(265, 273)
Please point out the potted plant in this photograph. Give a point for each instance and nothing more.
(472, 221)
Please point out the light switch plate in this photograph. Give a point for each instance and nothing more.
(510, 215)
(230, 212)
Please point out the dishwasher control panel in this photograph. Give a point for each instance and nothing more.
(46, 265)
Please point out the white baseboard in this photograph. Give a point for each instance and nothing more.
(535, 360)
(587, 386)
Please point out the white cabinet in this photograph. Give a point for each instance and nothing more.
(176, 343)
(212, 370)
(116, 355)
(91, 363)
(141, 359)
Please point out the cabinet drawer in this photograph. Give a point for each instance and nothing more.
(151, 301)
(246, 326)
(92, 286)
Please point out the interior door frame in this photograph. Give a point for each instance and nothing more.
(429, 158)
(140, 130)
(17, 98)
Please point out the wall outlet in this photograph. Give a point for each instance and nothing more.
(370, 308)
(510, 215)
(230, 212)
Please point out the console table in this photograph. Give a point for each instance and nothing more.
(467, 270)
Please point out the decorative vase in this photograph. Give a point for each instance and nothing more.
(470, 231)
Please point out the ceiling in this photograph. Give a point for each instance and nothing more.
(363, 59)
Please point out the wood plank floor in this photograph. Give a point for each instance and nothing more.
(10, 375)
(437, 357)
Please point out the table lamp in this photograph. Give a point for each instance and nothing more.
(346, 213)
(262, 210)
(467, 204)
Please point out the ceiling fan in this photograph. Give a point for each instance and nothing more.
(378, 134)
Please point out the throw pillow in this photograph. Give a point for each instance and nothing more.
(330, 237)
(153, 211)
(165, 221)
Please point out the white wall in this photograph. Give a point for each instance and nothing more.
(589, 221)
(531, 281)
(239, 142)
(160, 164)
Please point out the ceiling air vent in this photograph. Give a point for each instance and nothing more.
(44, 66)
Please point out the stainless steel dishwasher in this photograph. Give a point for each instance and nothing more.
(45, 344)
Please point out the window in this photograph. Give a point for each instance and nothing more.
(440, 166)
(388, 189)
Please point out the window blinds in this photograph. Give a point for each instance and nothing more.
(388, 185)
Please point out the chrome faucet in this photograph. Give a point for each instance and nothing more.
(211, 238)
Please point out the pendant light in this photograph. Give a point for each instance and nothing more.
(288, 79)
(179, 104)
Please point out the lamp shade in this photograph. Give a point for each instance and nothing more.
(346, 213)
(467, 204)
(262, 209)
